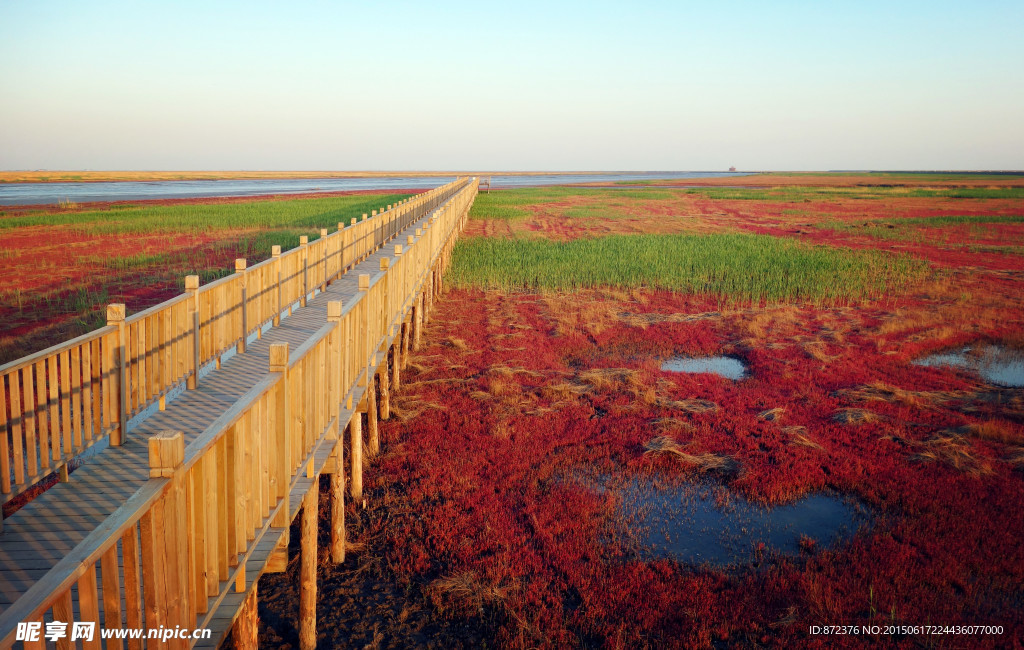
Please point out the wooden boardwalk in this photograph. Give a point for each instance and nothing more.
(58, 522)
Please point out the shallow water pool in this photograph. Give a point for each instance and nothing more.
(727, 367)
(993, 363)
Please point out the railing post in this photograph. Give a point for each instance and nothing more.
(304, 246)
(115, 316)
(192, 289)
(327, 278)
(345, 236)
(240, 268)
(162, 532)
(275, 251)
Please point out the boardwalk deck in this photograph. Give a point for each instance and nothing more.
(39, 535)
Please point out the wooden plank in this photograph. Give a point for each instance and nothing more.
(76, 396)
(223, 507)
(63, 611)
(153, 583)
(53, 402)
(152, 359)
(132, 583)
(173, 578)
(87, 403)
(42, 417)
(131, 352)
(89, 606)
(64, 370)
(16, 419)
(142, 360)
(97, 403)
(209, 475)
(110, 382)
(28, 409)
(198, 536)
(111, 578)
(5, 449)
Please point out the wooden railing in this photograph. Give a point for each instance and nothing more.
(177, 547)
(58, 402)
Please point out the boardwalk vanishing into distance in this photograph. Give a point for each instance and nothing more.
(205, 423)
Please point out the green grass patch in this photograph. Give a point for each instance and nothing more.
(512, 204)
(970, 193)
(736, 267)
(298, 213)
(917, 228)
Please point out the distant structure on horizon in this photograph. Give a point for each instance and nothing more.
(732, 169)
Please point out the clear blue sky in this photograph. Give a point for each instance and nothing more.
(545, 85)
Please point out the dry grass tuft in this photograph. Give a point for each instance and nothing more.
(706, 462)
(466, 591)
(612, 378)
(798, 436)
(856, 416)
(563, 391)
(772, 415)
(993, 430)
(672, 424)
(816, 350)
(880, 392)
(456, 343)
(1016, 458)
(954, 449)
(408, 407)
(690, 405)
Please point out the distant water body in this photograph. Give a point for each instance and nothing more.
(43, 193)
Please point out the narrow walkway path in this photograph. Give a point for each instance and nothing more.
(36, 537)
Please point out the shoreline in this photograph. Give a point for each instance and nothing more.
(72, 176)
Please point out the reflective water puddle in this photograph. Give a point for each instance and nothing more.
(727, 367)
(709, 524)
(994, 363)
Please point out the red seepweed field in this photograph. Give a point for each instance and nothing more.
(520, 496)
(541, 478)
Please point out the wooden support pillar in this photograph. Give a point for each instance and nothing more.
(372, 427)
(355, 433)
(240, 269)
(384, 401)
(417, 323)
(338, 504)
(307, 570)
(245, 631)
(192, 290)
(396, 364)
(275, 252)
(405, 341)
(115, 316)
